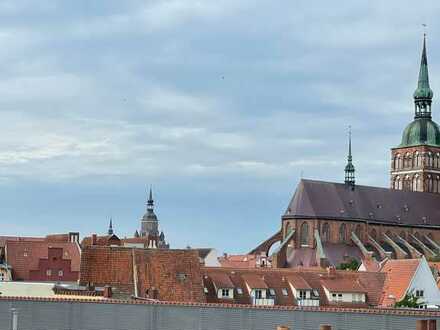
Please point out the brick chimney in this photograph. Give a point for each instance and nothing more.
(94, 239)
(107, 291)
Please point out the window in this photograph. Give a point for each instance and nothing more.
(239, 291)
(272, 292)
(339, 296)
(420, 293)
(258, 294)
(60, 272)
(225, 293)
(325, 232)
(2, 276)
(205, 290)
(48, 272)
(302, 294)
(304, 234)
(285, 292)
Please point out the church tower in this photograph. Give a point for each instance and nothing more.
(415, 163)
(149, 222)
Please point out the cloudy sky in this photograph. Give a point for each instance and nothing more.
(221, 105)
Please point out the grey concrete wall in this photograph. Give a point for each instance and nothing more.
(37, 315)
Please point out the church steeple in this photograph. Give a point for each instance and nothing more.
(349, 168)
(110, 227)
(150, 201)
(423, 94)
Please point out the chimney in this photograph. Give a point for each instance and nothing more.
(331, 271)
(107, 291)
(325, 327)
(94, 239)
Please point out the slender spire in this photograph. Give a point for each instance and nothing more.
(349, 168)
(423, 94)
(110, 227)
(150, 202)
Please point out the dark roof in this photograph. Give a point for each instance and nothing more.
(203, 252)
(329, 200)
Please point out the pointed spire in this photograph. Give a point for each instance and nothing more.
(110, 227)
(349, 168)
(150, 201)
(423, 94)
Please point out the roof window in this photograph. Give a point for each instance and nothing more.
(205, 290)
(239, 291)
(285, 292)
(272, 292)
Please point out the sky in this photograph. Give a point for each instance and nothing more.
(220, 105)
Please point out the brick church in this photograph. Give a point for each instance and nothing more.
(330, 223)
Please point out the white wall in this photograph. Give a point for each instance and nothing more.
(211, 260)
(346, 297)
(424, 280)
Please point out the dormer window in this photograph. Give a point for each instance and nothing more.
(285, 292)
(239, 290)
(272, 292)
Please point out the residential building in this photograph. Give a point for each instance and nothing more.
(409, 276)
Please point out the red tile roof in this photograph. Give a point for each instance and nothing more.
(341, 284)
(238, 261)
(279, 278)
(172, 275)
(222, 281)
(254, 281)
(298, 282)
(25, 256)
(399, 275)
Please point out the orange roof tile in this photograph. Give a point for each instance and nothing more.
(254, 281)
(399, 275)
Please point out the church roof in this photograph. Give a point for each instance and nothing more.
(336, 201)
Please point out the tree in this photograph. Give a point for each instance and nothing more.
(352, 265)
(410, 301)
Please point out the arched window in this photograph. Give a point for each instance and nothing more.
(407, 183)
(399, 162)
(358, 231)
(417, 159)
(429, 183)
(373, 234)
(325, 234)
(342, 233)
(304, 234)
(429, 159)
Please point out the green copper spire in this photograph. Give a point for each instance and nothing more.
(423, 94)
(349, 168)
